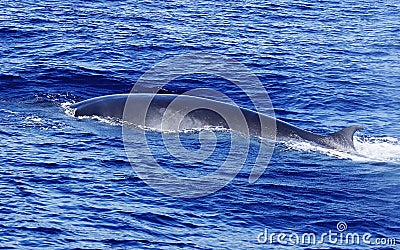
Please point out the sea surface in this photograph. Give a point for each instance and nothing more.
(67, 183)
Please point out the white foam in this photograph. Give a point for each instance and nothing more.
(373, 149)
(33, 118)
(382, 149)
(8, 111)
(67, 109)
(192, 130)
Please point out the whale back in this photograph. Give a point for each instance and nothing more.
(149, 110)
(105, 106)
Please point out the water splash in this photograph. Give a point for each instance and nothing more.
(67, 109)
(372, 149)
(382, 149)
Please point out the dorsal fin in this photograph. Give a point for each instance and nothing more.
(343, 139)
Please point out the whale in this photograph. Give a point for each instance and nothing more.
(179, 112)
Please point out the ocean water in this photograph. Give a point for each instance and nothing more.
(67, 183)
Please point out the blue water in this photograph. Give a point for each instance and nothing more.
(66, 183)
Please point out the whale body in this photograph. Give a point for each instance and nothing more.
(151, 110)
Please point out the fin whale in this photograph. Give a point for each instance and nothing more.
(203, 114)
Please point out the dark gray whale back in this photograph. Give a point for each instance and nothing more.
(114, 105)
